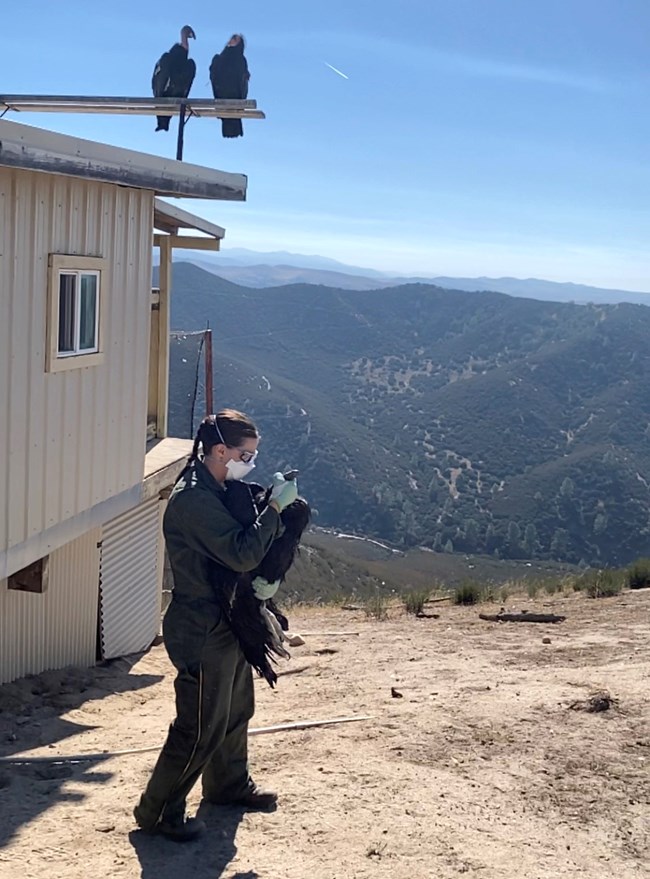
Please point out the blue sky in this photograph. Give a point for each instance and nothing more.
(471, 138)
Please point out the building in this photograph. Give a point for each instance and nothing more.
(85, 461)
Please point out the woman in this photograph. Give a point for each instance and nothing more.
(229, 76)
(214, 685)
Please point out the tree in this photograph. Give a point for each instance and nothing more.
(462, 483)
(513, 547)
(567, 488)
(530, 540)
(471, 535)
(514, 533)
(449, 546)
(491, 539)
(600, 523)
(559, 544)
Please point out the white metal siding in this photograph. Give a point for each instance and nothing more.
(59, 627)
(72, 439)
(130, 581)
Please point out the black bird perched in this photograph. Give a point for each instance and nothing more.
(174, 73)
(229, 76)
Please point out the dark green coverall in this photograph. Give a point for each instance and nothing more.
(214, 684)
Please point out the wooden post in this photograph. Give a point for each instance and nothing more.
(165, 285)
(181, 131)
(209, 401)
(522, 617)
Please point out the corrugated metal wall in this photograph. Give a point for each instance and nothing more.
(59, 627)
(71, 439)
(131, 575)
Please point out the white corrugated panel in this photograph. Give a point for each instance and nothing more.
(59, 627)
(130, 581)
(70, 440)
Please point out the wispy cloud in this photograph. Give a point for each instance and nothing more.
(483, 67)
(473, 65)
(422, 56)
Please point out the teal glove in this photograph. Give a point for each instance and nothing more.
(284, 492)
(263, 589)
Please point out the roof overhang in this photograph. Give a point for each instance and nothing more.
(171, 219)
(35, 149)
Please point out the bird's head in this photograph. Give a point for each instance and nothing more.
(187, 33)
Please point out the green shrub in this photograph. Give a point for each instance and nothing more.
(338, 598)
(414, 600)
(489, 592)
(605, 584)
(532, 588)
(468, 592)
(375, 607)
(638, 574)
(566, 585)
(504, 594)
(579, 584)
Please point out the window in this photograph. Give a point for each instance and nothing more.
(77, 290)
(78, 313)
(33, 578)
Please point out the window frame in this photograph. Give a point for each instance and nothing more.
(78, 266)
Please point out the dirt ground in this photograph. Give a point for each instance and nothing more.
(479, 767)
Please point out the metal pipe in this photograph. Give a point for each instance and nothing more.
(107, 755)
(181, 130)
(209, 395)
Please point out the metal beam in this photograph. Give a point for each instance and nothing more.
(187, 242)
(208, 107)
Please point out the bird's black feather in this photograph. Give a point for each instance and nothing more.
(229, 76)
(244, 611)
(172, 77)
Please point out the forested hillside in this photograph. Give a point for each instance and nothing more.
(473, 422)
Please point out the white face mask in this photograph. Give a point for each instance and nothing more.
(239, 469)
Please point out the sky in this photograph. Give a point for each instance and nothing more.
(471, 137)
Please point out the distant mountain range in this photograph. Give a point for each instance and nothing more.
(251, 268)
(241, 256)
(461, 421)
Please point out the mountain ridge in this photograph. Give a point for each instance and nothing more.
(249, 268)
(473, 422)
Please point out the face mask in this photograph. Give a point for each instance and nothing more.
(238, 469)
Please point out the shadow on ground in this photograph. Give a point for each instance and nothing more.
(204, 858)
(31, 710)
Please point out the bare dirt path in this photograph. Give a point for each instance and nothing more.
(479, 767)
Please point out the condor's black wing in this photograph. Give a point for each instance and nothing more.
(161, 75)
(183, 78)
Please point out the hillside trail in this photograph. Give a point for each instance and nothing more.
(473, 761)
